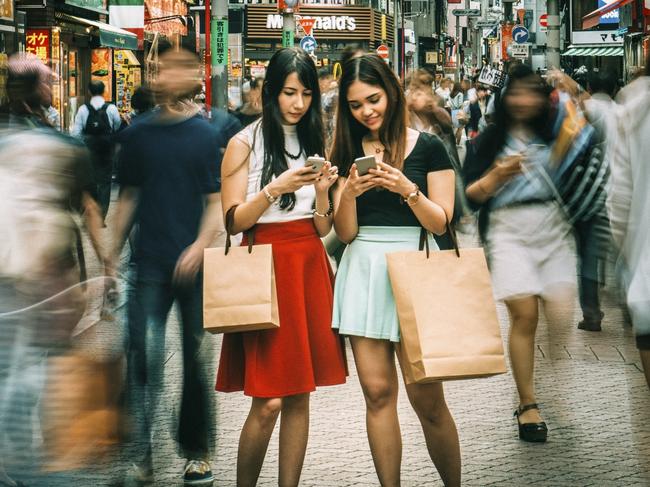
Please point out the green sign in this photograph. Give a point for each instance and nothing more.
(287, 38)
(96, 5)
(119, 41)
(219, 42)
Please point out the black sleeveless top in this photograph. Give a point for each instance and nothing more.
(380, 207)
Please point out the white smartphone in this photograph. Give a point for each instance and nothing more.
(365, 164)
(316, 162)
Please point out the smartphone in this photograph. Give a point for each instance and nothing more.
(315, 162)
(365, 164)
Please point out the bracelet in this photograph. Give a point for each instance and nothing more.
(269, 197)
(329, 211)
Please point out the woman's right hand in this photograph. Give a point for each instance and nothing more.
(292, 180)
(508, 167)
(356, 185)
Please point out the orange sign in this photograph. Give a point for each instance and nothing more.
(506, 39)
(307, 25)
(38, 42)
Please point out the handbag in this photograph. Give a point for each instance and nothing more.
(239, 291)
(447, 314)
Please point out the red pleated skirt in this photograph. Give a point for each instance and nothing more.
(304, 352)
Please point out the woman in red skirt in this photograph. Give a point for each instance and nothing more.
(265, 174)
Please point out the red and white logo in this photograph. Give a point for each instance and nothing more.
(543, 20)
(307, 25)
(382, 51)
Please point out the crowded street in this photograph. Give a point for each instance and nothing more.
(324, 243)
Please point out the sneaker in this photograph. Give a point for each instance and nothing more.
(138, 476)
(198, 472)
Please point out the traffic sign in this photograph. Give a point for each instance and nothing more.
(307, 25)
(519, 51)
(467, 12)
(543, 22)
(520, 34)
(382, 51)
(308, 43)
(486, 24)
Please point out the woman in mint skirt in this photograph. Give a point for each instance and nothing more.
(380, 212)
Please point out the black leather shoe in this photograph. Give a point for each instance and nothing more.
(532, 432)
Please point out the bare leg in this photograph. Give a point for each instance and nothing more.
(294, 431)
(254, 439)
(375, 364)
(428, 401)
(523, 325)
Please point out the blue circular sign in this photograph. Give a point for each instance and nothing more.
(520, 34)
(308, 43)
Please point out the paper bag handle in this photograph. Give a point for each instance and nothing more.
(230, 223)
(424, 241)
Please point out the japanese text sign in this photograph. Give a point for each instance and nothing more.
(220, 42)
(38, 43)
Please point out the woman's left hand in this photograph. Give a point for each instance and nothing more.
(326, 178)
(393, 179)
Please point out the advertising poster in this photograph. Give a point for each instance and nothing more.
(101, 68)
(7, 9)
(506, 40)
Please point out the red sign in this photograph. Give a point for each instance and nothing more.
(307, 25)
(282, 5)
(506, 40)
(38, 43)
(543, 20)
(382, 51)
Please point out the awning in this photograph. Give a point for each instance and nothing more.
(593, 19)
(109, 36)
(593, 51)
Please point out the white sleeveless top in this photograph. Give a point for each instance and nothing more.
(305, 196)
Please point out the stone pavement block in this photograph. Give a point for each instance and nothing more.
(577, 352)
(606, 353)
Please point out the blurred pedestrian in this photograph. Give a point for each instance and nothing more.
(251, 110)
(629, 207)
(477, 111)
(376, 213)
(168, 178)
(45, 181)
(528, 240)
(329, 99)
(142, 102)
(96, 122)
(287, 204)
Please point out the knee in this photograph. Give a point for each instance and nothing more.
(524, 320)
(430, 406)
(267, 411)
(379, 395)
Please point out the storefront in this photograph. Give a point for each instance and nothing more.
(596, 41)
(335, 28)
(12, 39)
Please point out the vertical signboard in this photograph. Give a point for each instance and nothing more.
(506, 39)
(37, 42)
(219, 45)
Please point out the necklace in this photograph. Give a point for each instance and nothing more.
(378, 148)
(291, 156)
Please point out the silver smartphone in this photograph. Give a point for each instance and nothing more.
(315, 162)
(365, 164)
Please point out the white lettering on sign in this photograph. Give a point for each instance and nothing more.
(331, 22)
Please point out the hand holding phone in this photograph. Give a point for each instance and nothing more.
(315, 162)
(365, 164)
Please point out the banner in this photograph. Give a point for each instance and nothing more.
(37, 42)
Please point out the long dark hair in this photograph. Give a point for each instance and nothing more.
(372, 70)
(494, 139)
(309, 128)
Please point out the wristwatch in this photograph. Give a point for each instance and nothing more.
(413, 197)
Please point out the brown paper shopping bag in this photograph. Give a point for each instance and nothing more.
(447, 315)
(239, 292)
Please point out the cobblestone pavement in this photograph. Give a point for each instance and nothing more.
(590, 387)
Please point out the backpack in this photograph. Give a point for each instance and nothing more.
(98, 131)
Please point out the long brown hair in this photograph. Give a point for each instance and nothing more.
(372, 70)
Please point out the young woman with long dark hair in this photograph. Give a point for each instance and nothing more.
(528, 240)
(384, 211)
(264, 175)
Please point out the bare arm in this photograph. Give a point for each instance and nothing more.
(234, 184)
(437, 208)
(345, 214)
(489, 184)
(94, 222)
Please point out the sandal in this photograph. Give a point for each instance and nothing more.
(532, 432)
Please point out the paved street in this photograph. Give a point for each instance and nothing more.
(590, 388)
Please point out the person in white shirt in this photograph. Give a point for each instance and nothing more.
(95, 122)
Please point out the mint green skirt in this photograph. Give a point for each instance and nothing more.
(363, 298)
